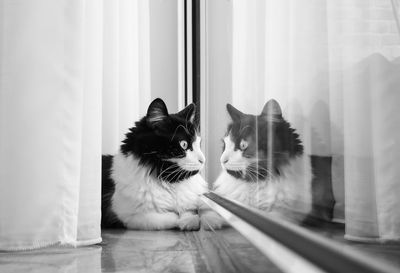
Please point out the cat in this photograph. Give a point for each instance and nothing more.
(153, 182)
(263, 166)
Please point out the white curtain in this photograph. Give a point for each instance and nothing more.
(126, 68)
(334, 67)
(59, 60)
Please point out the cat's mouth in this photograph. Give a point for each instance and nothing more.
(236, 174)
(191, 167)
(236, 170)
(235, 167)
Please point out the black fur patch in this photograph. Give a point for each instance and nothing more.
(155, 139)
(271, 141)
(108, 217)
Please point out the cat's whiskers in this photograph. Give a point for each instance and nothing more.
(252, 176)
(176, 174)
(251, 170)
(159, 175)
(187, 175)
(167, 169)
(166, 186)
(170, 174)
(267, 171)
(257, 168)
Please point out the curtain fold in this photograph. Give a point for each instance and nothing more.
(67, 69)
(126, 70)
(333, 66)
(89, 190)
(42, 100)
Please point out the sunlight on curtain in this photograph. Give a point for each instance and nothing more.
(49, 123)
(126, 69)
(59, 60)
(334, 67)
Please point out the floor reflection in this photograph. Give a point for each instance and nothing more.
(53, 259)
(146, 251)
(223, 250)
(388, 253)
(175, 251)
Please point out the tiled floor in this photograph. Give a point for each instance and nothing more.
(167, 251)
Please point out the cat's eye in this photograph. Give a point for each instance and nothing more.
(243, 145)
(183, 144)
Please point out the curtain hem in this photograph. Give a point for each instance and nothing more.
(39, 245)
(371, 239)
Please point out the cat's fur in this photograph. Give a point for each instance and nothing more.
(153, 182)
(264, 166)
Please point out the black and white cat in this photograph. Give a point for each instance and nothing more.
(153, 182)
(264, 166)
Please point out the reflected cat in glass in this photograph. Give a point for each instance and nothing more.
(153, 182)
(263, 166)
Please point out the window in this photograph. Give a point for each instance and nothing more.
(331, 68)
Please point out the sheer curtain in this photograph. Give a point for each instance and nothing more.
(59, 60)
(126, 68)
(334, 67)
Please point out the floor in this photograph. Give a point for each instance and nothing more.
(174, 251)
(387, 253)
(146, 251)
(167, 251)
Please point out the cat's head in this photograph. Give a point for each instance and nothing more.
(256, 147)
(168, 144)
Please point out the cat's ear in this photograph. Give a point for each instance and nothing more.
(188, 113)
(272, 109)
(234, 113)
(156, 112)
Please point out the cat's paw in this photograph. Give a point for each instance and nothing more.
(189, 221)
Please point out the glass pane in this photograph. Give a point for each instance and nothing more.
(302, 116)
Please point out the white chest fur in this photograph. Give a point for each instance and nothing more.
(291, 190)
(137, 192)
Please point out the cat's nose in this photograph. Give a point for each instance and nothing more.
(224, 161)
(201, 158)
